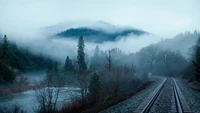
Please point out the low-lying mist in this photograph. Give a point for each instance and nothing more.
(59, 48)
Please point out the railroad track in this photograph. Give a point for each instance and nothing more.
(180, 102)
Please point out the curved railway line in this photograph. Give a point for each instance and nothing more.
(180, 102)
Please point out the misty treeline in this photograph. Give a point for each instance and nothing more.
(181, 42)
(102, 78)
(157, 61)
(15, 60)
(107, 75)
(170, 57)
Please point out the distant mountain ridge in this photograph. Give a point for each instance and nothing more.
(97, 35)
(98, 31)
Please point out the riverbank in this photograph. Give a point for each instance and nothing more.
(23, 82)
(79, 106)
(14, 88)
(27, 100)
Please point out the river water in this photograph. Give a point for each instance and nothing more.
(27, 99)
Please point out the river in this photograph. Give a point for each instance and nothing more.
(27, 99)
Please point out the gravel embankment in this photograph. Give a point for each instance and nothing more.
(132, 103)
(192, 96)
(165, 103)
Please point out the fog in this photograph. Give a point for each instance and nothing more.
(31, 27)
(59, 48)
(96, 25)
(34, 78)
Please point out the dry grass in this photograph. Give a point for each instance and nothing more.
(79, 107)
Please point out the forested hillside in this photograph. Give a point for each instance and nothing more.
(170, 56)
(14, 60)
(97, 35)
(182, 42)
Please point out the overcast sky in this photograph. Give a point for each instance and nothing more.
(161, 17)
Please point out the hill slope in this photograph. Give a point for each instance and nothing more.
(97, 35)
(182, 42)
(14, 59)
(98, 31)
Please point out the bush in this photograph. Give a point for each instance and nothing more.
(5, 91)
(74, 107)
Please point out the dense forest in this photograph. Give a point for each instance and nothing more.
(15, 60)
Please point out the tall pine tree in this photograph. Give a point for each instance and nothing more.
(4, 48)
(95, 61)
(68, 65)
(81, 56)
(82, 67)
(56, 67)
(96, 52)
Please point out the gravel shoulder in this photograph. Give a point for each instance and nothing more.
(132, 103)
(192, 96)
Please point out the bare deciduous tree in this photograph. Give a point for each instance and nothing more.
(48, 97)
(148, 56)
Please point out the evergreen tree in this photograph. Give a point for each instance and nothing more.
(196, 61)
(4, 48)
(96, 62)
(82, 67)
(14, 60)
(81, 55)
(6, 74)
(68, 64)
(96, 52)
(56, 67)
(94, 87)
(49, 66)
(1, 39)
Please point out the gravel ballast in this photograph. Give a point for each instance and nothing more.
(192, 96)
(129, 105)
(165, 103)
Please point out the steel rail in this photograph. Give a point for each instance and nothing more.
(178, 103)
(145, 108)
